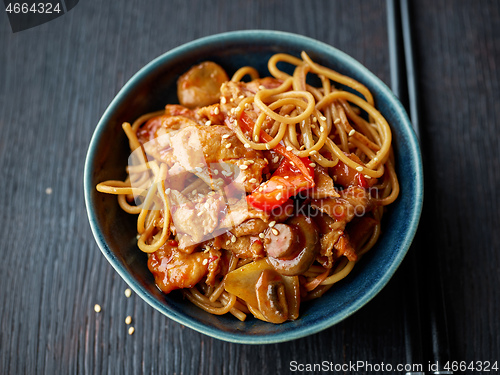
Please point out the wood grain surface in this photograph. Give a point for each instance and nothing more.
(57, 79)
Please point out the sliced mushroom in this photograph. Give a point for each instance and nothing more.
(200, 85)
(299, 262)
(271, 296)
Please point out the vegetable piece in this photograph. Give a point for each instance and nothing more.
(200, 85)
(271, 296)
(242, 282)
(308, 249)
(292, 290)
(278, 189)
(283, 244)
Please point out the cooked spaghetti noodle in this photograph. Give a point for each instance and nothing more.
(315, 168)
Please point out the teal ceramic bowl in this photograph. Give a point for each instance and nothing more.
(153, 87)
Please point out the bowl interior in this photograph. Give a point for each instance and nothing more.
(153, 87)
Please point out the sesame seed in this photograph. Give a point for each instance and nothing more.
(262, 235)
(243, 166)
(97, 308)
(272, 223)
(275, 231)
(223, 100)
(231, 100)
(131, 330)
(276, 159)
(256, 138)
(167, 191)
(128, 320)
(128, 292)
(253, 180)
(247, 145)
(359, 169)
(205, 261)
(337, 121)
(216, 110)
(250, 162)
(216, 172)
(323, 118)
(367, 177)
(208, 123)
(199, 213)
(228, 145)
(228, 242)
(225, 136)
(292, 163)
(321, 129)
(312, 165)
(194, 191)
(241, 97)
(48, 191)
(198, 169)
(287, 177)
(289, 148)
(351, 133)
(315, 119)
(278, 196)
(233, 239)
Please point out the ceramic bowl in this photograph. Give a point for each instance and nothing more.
(153, 87)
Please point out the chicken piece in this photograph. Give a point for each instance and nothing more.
(344, 247)
(195, 220)
(173, 269)
(324, 186)
(330, 231)
(247, 247)
(250, 227)
(211, 113)
(198, 148)
(353, 201)
(358, 198)
(175, 117)
(200, 85)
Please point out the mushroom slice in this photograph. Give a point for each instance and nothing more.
(271, 296)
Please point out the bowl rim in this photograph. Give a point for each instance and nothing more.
(275, 37)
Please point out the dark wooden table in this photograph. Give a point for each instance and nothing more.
(56, 81)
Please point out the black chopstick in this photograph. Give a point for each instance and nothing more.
(428, 313)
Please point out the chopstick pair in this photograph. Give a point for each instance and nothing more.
(425, 316)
